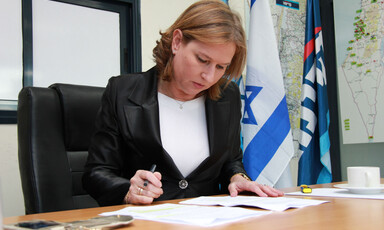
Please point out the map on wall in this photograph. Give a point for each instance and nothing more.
(359, 32)
(289, 22)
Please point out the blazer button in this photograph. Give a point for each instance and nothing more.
(183, 184)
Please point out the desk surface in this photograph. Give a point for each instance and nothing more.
(339, 213)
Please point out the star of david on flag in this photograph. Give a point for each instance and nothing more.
(250, 94)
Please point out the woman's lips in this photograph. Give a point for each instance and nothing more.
(197, 85)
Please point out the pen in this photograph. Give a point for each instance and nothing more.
(153, 167)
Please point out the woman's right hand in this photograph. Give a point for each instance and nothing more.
(140, 194)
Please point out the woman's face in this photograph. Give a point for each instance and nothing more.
(197, 66)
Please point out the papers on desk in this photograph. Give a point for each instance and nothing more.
(336, 192)
(270, 203)
(188, 214)
(195, 214)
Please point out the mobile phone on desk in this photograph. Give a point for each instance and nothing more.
(36, 224)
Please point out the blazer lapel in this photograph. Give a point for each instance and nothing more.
(218, 121)
(142, 116)
(142, 113)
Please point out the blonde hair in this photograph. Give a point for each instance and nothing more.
(207, 21)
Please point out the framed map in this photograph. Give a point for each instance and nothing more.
(359, 34)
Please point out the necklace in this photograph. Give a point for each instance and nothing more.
(163, 88)
(180, 103)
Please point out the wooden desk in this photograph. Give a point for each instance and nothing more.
(339, 213)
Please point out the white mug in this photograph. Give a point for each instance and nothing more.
(363, 176)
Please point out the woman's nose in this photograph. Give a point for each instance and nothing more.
(208, 73)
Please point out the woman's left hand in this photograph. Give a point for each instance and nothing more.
(239, 184)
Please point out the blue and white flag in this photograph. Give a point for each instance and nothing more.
(268, 145)
(315, 162)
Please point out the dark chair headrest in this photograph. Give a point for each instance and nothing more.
(80, 105)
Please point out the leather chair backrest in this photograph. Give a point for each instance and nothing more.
(55, 125)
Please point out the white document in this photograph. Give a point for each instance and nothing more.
(336, 192)
(270, 203)
(188, 214)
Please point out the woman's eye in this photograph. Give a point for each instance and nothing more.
(220, 67)
(201, 60)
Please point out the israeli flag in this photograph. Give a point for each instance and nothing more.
(268, 144)
(315, 160)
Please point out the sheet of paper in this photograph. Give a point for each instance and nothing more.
(188, 214)
(270, 203)
(336, 192)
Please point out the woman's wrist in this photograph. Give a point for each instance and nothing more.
(242, 175)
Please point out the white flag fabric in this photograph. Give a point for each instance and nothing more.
(268, 144)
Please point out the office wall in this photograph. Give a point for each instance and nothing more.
(12, 197)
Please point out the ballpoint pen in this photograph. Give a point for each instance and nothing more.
(153, 167)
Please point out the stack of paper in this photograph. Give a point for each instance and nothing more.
(198, 213)
(270, 203)
(188, 214)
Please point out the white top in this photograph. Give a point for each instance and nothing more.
(183, 131)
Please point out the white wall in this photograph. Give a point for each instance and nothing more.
(12, 197)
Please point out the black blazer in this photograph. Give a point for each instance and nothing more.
(127, 138)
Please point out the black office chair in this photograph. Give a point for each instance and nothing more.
(55, 125)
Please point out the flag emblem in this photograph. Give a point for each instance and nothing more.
(252, 91)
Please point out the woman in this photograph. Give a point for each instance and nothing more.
(182, 115)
